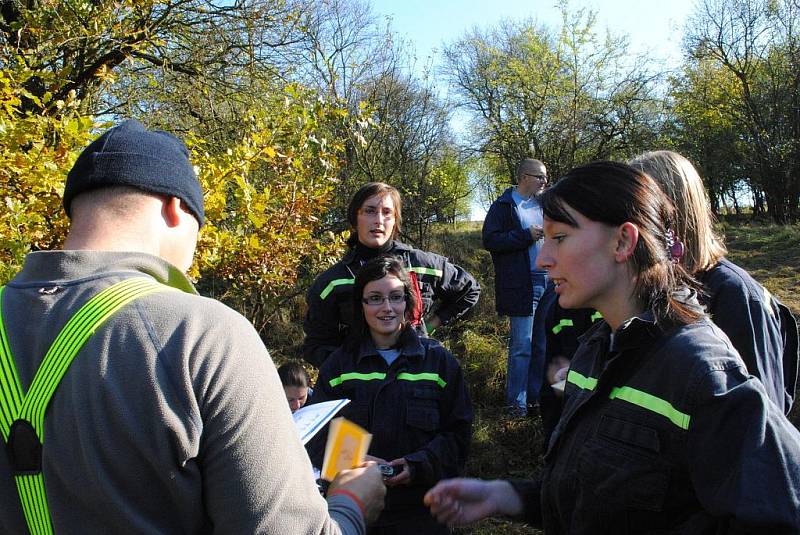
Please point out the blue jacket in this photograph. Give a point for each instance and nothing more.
(508, 242)
(665, 431)
(417, 408)
(761, 328)
(330, 299)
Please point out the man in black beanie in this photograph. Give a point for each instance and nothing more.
(130, 404)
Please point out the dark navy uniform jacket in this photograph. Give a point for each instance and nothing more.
(563, 330)
(330, 299)
(664, 431)
(508, 242)
(760, 327)
(417, 408)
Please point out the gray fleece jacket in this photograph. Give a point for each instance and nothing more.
(171, 419)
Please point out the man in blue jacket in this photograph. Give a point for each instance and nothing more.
(512, 233)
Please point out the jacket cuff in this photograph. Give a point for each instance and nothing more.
(347, 514)
(530, 491)
(420, 467)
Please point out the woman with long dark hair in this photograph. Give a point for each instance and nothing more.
(663, 429)
(445, 291)
(408, 391)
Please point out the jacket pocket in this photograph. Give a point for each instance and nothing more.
(621, 468)
(422, 410)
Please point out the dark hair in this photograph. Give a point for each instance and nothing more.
(376, 269)
(293, 373)
(370, 190)
(614, 193)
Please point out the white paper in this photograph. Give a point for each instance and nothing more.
(310, 419)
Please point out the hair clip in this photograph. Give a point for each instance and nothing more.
(675, 247)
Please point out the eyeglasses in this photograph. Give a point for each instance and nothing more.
(371, 211)
(540, 177)
(377, 299)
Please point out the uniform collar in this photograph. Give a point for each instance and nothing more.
(409, 345)
(359, 252)
(71, 265)
(636, 330)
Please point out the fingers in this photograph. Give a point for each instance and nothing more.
(445, 509)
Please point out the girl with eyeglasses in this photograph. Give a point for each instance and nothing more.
(375, 216)
(408, 391)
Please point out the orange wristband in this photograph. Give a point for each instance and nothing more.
(353, 497)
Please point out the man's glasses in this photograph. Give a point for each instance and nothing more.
(540, 177)
(377, 299)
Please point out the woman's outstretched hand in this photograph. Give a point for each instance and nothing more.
(462, 501)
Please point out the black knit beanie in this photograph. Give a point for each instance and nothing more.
(130, 155)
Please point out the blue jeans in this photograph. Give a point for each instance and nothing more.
(526, 347)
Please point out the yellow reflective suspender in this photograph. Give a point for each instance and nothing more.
(22, 414)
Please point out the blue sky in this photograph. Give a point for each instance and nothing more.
(651, 25)
(655, 27)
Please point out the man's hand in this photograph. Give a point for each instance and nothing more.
(461, 501)
(366, 483)
(537, 232)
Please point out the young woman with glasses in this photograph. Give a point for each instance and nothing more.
(408, 391)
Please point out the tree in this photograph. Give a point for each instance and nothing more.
(87, 48)
(756, 41)
(263, 147)
(34, 152)
(399, 129)
(702, 127)
(564, 98)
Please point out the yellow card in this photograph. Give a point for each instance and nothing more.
(347, 445)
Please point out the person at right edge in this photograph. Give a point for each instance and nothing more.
(663, 429)
(171, 417)
(512, 233)
(760, 327)
(445, 292)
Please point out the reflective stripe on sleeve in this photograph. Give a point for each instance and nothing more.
(426, 271)
(333, 284)
(586, 383)
(561, 324)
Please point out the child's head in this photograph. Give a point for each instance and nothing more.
(295, 382)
